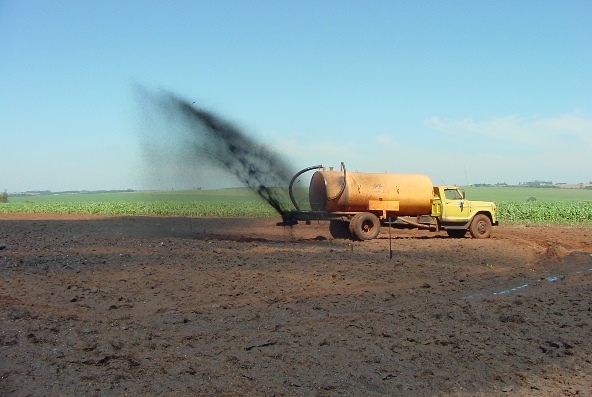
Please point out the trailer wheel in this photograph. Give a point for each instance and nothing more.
(339, 229)
(480, 226)
(365, 226)
(456, 233)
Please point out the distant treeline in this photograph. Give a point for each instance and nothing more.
(49, 192)
(527, 184)
(539, 184)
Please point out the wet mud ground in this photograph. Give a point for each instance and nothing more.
(229, 307)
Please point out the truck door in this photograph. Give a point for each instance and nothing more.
(455, 208)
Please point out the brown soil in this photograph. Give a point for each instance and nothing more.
(185, 306)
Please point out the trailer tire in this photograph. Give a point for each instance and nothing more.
(339, 229)
(364, 226)
(480, 226)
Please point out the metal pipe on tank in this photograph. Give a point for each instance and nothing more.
(314, 167)
(343, 184)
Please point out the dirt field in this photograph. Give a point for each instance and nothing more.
(226, 307)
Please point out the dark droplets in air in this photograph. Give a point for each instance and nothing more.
(226, 147)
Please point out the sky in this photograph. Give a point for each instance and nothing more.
(463, 91)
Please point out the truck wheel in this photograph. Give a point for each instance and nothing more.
(365, 226)
(456, 233)
(339, 229)
(481, 226)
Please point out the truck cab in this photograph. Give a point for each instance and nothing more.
(457, 215)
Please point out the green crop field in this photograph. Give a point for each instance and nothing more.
(550, 205)
(205, 203)
(537, 205)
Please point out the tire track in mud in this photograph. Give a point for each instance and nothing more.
(574, 264)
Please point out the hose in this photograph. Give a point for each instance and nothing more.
(314, 167)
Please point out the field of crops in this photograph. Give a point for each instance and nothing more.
(537, 205)
(515, 204)
(204, 203)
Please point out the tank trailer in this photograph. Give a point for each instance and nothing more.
(357, 204)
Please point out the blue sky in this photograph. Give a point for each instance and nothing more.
(463, 91)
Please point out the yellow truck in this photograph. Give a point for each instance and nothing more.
(357, 204)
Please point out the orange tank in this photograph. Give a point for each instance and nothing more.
(400, 194)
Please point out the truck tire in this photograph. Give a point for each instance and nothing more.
(480, 226)
(339, 229)
(364, 226)
(456, 233)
